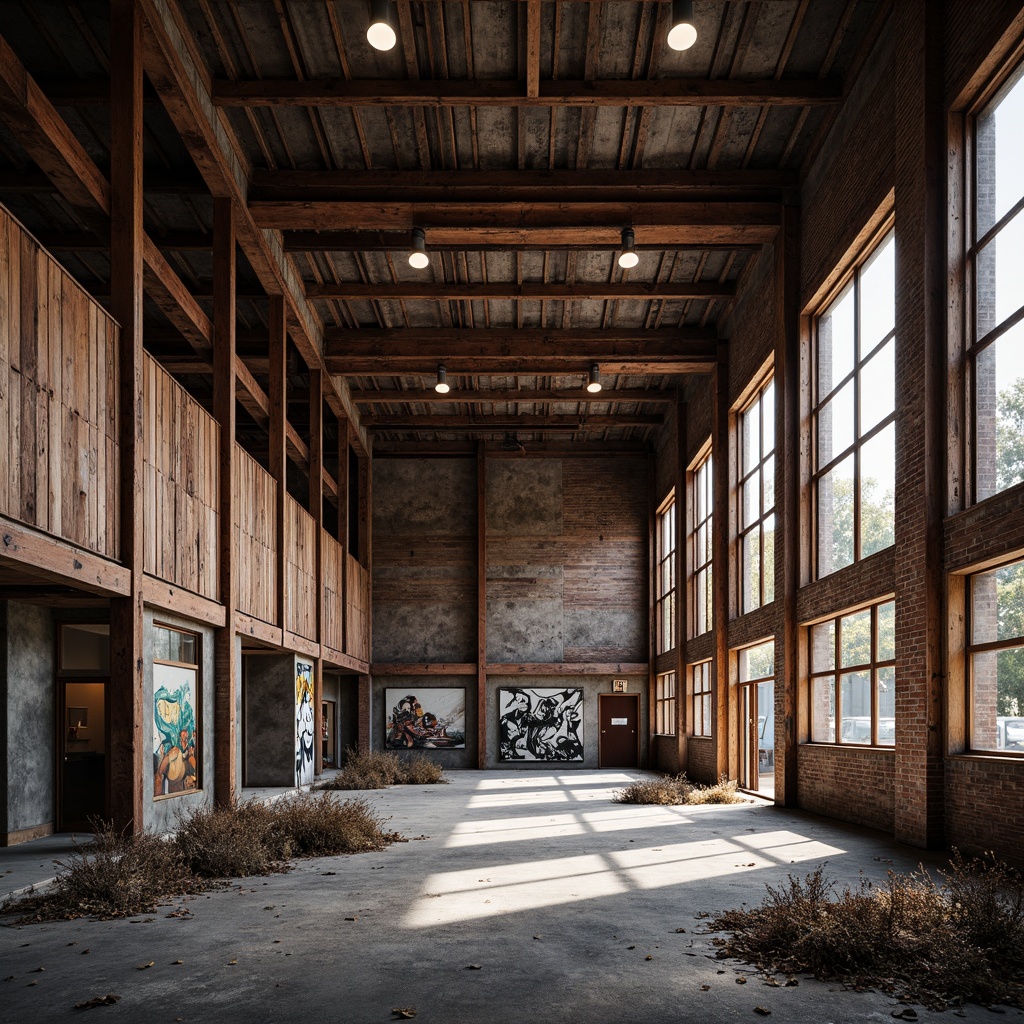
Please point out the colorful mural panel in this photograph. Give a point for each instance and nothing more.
(433, 719)
(304, 730)
(175, 732)
(540, 724)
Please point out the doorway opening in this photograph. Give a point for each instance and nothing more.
(756, 719)
(619, 717)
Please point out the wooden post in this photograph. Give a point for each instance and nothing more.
(787, 502)
(366, 541)
(720, 541)
(481, 605)
(278, 398)
(316, 508)
(343, 537)
(224, 644)
(682, 583)
(126, 710)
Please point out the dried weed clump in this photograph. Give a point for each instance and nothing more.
(939, 944)
(378, 769)
(672, 790)
(122, 874)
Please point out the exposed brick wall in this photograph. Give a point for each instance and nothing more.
(988, 531)
(972, 33)
(700, 759)
(854, 785)
(751, 330)
(984, 806)
(665, 754)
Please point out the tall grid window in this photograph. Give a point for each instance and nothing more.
(854, 414)
(665, 598)
(995, 334)
(700, 548)
(665, 704)
(853, 677)
(757, 499)
(995, 656)
(700, 676)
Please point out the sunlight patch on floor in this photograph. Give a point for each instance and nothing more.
(518, 799)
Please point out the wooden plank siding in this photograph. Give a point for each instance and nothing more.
(300, 570)
(255, 538)
(357, 610)
(58, 399)
(181, 480)
(333, 579)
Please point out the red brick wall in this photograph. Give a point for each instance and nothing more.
(985, 806)
(665, 754)
(854, 785)
(700, 759)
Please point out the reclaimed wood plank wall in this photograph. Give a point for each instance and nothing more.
(58, 399)
(181, 479)
(357, 610)
(255, 538)
(300, 569)
(333, 577)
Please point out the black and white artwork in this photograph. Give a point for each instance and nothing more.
(540, 724)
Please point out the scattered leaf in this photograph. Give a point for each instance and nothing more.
(763, 1010)
(39, 970)
(143, 967)
(351, 918)
(537, 936)
(741, 980)
(680, 931)
(107, 1000)
(178, 961)
(705, 988)
(773, 982)
(404, 1012)
(231, 963)
(328, 872)
(474, 967)
(648, 957)
(791, 983)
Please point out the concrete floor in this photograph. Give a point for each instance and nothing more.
(570, 905)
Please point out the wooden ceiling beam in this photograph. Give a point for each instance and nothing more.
(510, 395)
(513, 341)
(499, 424)
(664, 92)
(441, 290)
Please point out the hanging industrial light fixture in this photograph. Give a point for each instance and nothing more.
(380, 33)
(594, 379)
(628, 257)
(682, 34)
(441, 387)
(418, 257)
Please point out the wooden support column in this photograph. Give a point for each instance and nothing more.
(343, 538)
(920, 416)
(278, 400)
(724, 715)
(316, 508)
(682, 583)
(366, 538)
(125, 703)
(224, 644)
(788, 460)
(481, 605)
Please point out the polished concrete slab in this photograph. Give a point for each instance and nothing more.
(522, 897)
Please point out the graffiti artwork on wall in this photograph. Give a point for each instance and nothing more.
(433, 719)
(540, 725)
(175, 738)
(304, 729)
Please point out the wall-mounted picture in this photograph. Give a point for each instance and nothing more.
(540, 724)
(430, 719)
(304, 729)
(175, 734)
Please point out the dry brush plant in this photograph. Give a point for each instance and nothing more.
(378, 769)
(122, 874)
(961, 940)
(673, 790)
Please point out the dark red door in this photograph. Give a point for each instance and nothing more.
(619, 714)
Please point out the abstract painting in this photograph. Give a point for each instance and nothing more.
(540, 724)
(175, 735)
(432, 719)
(304, 730)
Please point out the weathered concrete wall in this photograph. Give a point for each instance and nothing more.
(421, 686)
(424, 560)
(592, 687)
(269, 719)
(27, 664)
(566, 560)
(162, 814)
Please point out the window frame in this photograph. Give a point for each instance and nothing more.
(756, 398)
(665, 597)
(838, 670)
(851, 278)
(701, 572)
(699, 698)
(973, 245)
(665, 686)
(972, 648)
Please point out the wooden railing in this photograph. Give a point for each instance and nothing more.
(181, 479)
(255, 538)
(300, 570)
(357, 610)
(333, 579)
(58, 399)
